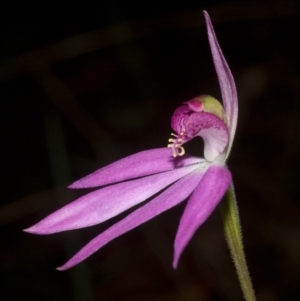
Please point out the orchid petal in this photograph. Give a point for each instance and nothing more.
(137, 165)
(202, 202)
(226, 81)
(103, 204)
(166, 200)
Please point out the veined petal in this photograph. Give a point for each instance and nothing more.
(166, 200)
(226, 81)
(137, 165)
(202, 202)
(103, 204)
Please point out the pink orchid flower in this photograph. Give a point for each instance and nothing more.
(179, 176)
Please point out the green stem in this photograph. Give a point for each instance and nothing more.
(234, 239)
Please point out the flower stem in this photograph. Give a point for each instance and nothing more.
(234, 239)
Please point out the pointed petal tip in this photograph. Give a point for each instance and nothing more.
(31, 230)
(81, 184)
(177, 256)
(38, 229)
(206, 16)
(73, 186)
(69, 264)
(175, 263)
(61, 268)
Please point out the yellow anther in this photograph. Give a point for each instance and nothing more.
(180, 151)
(173, 149)
(175, 144)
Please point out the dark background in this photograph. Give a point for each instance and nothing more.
(82, 85)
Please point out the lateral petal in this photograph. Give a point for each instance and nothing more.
(103, 204)
(166, 200)
(202, 202)
(226, 81)
(137, 165)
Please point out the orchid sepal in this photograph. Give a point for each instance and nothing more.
(229, 207)
(140, 164)
(202, 202)
(166, 200)
(105, 203)
(226, 82)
